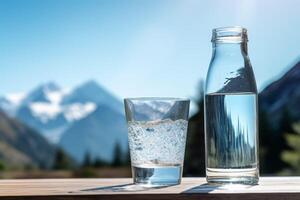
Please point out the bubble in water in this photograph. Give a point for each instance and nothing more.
(157, 142)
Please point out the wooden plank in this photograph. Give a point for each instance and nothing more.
(191, 188)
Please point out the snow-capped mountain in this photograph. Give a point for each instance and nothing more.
(48, 93)
(41, 109)
(59, 113)
(90, 91)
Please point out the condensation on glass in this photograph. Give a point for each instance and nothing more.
(231, 124)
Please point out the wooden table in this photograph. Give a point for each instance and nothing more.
(274, 188)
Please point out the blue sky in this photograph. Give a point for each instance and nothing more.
(137, 48)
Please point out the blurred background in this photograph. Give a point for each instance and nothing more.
(66, 65)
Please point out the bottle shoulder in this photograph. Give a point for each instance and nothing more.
(225, 77)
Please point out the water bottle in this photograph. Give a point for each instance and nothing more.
(231, 116)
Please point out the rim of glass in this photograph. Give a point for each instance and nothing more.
(156, 99)
(229, 34)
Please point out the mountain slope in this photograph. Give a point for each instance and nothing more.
(6, 105)
(96, 134)
(282, 95)
(21, 145)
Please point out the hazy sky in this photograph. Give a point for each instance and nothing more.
(137, 47)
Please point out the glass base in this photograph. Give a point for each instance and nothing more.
(246, 176)
(156, 175)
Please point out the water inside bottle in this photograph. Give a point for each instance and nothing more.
(231, 143)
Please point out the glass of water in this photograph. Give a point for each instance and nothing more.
(157, 129)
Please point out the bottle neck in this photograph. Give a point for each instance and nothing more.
(230, 49)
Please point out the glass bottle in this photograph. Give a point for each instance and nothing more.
(231, 116)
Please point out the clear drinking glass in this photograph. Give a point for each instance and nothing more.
(157, 129)
(231, 111)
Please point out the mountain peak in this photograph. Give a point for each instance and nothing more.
(91, 91)
(41, 93)
(50, 86)
(90, 84)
